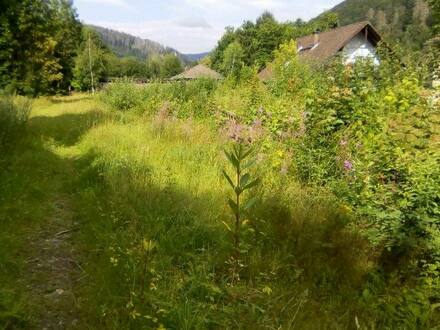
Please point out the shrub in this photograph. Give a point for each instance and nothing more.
(122, 96)
(14, 113)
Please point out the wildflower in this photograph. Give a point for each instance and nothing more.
(255, 131)
(234, 131)
(148, 245)
(114, 261)
(348, 166)
(267, 290)
(343, 142)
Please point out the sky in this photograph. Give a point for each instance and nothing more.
(190, 26)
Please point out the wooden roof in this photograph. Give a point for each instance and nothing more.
(199, 71)
(328, 44)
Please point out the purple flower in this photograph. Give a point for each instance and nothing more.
(348, 166)
(234, 130)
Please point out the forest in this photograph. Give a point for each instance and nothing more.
(308, 201)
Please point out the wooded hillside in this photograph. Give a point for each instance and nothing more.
(124, 44)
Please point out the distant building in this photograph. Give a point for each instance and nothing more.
(358, 40)
(199, 71)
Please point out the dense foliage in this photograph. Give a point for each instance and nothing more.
(258, 41)
(38, 43)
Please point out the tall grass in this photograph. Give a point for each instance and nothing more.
(14, 113)
(146, 184)
(318, 137)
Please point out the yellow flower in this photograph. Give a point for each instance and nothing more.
(114, 261)
(267, 290)
(148, 245)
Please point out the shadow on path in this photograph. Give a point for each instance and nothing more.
(37, 220)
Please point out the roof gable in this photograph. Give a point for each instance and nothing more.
(199, 71)
(329, 43)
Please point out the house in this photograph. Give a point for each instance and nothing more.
(354, 41)
(199, 71)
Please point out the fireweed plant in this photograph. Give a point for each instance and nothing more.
(241, 159)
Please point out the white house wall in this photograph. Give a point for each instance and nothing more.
(359, 47)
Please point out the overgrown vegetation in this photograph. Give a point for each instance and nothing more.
(14, 113)
(335, 197)
(346, 217)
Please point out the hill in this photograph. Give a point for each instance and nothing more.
(126, 45)
(196, 57)
(407, 21)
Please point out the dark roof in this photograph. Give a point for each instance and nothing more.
(199, 71)
(332, 41)
(328, 43)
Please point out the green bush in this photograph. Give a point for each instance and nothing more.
(14, 113)
(122, 96)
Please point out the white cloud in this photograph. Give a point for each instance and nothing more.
(194, 22)
(116, 3)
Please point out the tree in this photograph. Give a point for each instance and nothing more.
(154, 64)
(67, 31)
(38, 42)
(171, 66)
(91, 65)
(259, 40)
(269, 35)
(435, 13)
(217, 54)
(233, 59)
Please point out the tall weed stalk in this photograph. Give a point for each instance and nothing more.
(240, 157)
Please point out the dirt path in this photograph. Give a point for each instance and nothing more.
(53, 269)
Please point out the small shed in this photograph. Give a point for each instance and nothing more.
(199, 71)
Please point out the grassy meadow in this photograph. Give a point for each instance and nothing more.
(149, 191)
(115, 210)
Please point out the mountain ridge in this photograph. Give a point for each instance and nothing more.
(126, 45)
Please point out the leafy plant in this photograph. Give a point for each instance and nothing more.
(240, 159)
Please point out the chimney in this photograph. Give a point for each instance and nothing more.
(316, 37)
